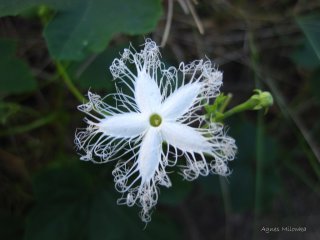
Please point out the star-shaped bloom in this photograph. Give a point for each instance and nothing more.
(156, 121)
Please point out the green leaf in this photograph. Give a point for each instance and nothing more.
(94, 72)
(81, 27)
(15, 74)
(310, 25)
(74, 203)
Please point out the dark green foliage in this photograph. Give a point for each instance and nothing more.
(310, 25)
(81, 27)
(94, 72)
(15, 74)
(79, 204)
(305, 56)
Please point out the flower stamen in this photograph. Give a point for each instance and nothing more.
(155, 120)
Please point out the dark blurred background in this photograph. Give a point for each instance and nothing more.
(50, 51)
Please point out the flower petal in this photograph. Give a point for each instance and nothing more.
(125, 125)
(147, 93)
(180, 101)
(149, 154)
(184, 137)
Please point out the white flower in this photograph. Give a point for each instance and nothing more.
(157, 122)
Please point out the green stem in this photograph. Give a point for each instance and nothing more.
(259, 138)
(67, 80)
(259, 100)
(247, 105)
(227, 205)
(45, 15)
(259, 164)
(28, 127)
(225, 103)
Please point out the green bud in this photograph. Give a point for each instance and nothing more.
(261, 99)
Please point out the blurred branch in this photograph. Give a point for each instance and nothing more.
(195, 16)
(188, 7)
(10, 108)
(168, 23)
(286, 111)
(304, 177)
(28, 127)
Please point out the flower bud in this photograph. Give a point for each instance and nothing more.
(262, 99)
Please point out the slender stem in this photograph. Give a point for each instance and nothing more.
(259, 138)
(168, 23)
(227, 204)
(67, 80)
(226, 103)
(28, 127)
(259, 166)
(247, 105)
(45, 16)
(195, 17)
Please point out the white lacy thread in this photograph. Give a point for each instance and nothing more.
(124, 131)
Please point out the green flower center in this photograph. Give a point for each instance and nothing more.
(155, 120)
